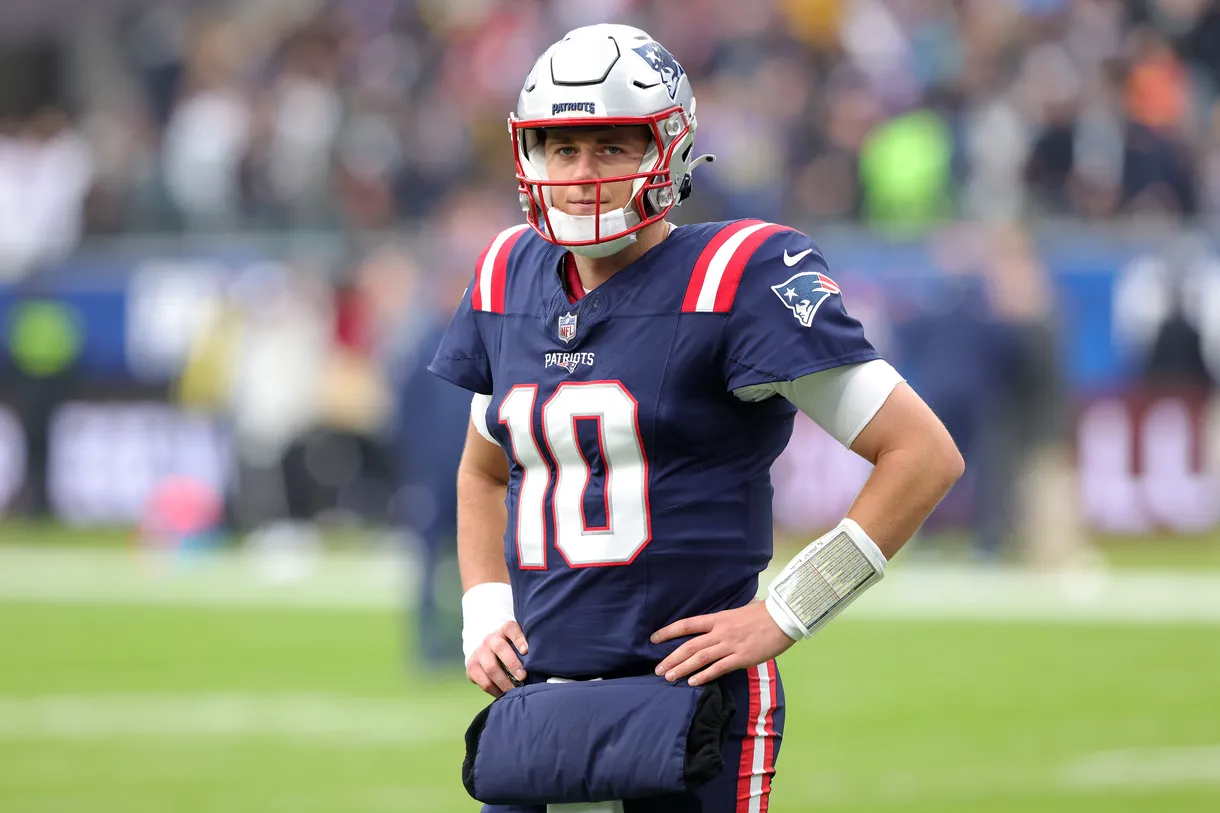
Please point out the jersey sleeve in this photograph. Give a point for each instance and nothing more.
(788, 318)
(462, 356)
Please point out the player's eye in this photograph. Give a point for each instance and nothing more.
(610, 149)
(565, 150)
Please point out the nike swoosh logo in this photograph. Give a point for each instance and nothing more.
(791, 261)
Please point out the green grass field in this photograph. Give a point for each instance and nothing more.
(130, 685)
(157, 708)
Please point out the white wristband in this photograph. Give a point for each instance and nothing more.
(485, 608)
(821, 580)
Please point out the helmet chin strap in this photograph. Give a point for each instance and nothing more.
(582, 228)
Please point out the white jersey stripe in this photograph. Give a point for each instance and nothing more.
(760, 737)
(488, 269)
(715, 269)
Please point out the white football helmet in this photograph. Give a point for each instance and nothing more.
(606, 75)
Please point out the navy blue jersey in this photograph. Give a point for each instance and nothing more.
(640, 490)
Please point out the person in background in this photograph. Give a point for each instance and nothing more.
(429, 425)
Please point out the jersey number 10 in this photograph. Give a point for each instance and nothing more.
(616, 413)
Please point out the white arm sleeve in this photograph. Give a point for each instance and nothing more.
(841, 400)
(478, 415)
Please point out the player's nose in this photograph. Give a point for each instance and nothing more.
(586, 167)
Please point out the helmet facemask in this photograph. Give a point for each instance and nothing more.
(602, 234)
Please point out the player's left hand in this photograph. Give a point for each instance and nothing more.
(724, 642)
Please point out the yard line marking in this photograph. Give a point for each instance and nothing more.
(913, 591)
(1135, 768)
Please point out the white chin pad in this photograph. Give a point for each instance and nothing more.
(582, 228)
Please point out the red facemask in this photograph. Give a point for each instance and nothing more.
(642, 210)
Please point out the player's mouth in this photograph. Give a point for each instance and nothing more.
(586, 206)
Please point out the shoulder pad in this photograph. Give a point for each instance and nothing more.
(491, 271)
(713, 283)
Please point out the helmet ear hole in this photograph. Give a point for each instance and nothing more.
(686, 152)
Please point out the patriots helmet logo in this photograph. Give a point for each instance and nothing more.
(804, 293)
(663, 62)
(567, 327)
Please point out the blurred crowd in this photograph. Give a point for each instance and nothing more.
(359, 114)
(381, 123)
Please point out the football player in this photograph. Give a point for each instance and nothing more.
(633, 383)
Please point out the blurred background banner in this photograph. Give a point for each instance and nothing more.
(232, 233)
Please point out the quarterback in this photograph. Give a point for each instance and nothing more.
(633, 382)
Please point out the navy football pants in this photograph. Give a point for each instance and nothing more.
(744, 785)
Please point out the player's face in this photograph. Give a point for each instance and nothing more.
(589, 153)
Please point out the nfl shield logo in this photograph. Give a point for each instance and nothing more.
(567, 327)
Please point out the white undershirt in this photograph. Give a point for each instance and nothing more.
(478, 415)
(841, 400)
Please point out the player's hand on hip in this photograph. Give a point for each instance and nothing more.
(723, 642)
(494, 667)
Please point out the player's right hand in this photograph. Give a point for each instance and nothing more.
(495, 667)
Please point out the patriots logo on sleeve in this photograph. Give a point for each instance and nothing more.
(663, 63)
(804, 293)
